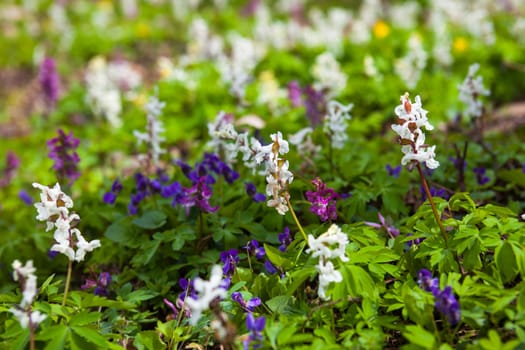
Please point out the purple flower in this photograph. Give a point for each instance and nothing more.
(255, 327)
(295, 93)
(101, 285)
(25, 197)
(111, 196)
(391, 230)
(51, 254)
(255, 249)
(49, 82)
(416, 241)
(315, 103)
(323, 200)
(285, 239)
(230, 259)
(12, 163)
(251, 190)
(62, 150)
(270, 268)
(458, 162)
(434, 192)
(247, 306)
(198, 195)
(480, 175)
(447, 304)
(394, 172)
(427, 283)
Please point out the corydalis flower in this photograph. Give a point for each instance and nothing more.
(392, 231)
(154, 129)
(323, 200)
(470, 92)
(206, 292)
(445, 301)
(12, 163)
(62, 150)
(278, 176)
(198, 195)
(411, 118)
(330, 245)
(23, 312)
(101, 284)
(49, 82)
(54, 208)
(335, 123)
(328, 75)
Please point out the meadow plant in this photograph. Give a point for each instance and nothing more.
(62, 150)
(28, 318)
(470, 92)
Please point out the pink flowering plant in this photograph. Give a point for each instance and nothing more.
(262, 175)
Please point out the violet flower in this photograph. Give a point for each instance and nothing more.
(323, 200)
(198, 195)
(247, 306)
(49, 82)
(255, 327)
(254, 248)
(447, 304)
(25, 197)
(251, 190)
(272, 270)
(101, 285)
(394, 172)
(111, 196)
(445, 301)
(480, 175)
(12, 163)
(62, 150)
(295, 93)
(285, 239)
(435, 192)
(230, 259)
(391, 230)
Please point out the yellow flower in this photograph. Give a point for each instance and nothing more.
(460, 45)
(381, 29)
(143, 30)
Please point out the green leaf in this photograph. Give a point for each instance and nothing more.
(417, 335)
(150, 220)
(140, 295)
(57, 336)
(506, 262)
(148, 340)
(91, 335)
(84, 318)
(121, 232)
(276, 257)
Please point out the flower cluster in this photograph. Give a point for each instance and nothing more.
(49, 82)
(328, 75)
(445, 301)
(470, 91)
(12, 163)
(62, 150)
(205, 293)
(54, 208)
(321, 247)
(410, 66)
(411, 118)
(335, 123)
(323, 200)
(154, 129)
(23, 312)
(285, 239)
(278, 177)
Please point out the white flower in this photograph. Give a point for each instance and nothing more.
(410, 66)
(328, 75)
(327, 274)
(323, 246)
(23, 317)
(411, 119)
(54, 209)
(23, 312)
(207, 291)
(470, 91)
(330, 245)
(335, 123)
(154, 129)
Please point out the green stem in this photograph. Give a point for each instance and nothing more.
(296, 220)
(68, 281)
(432, 204)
